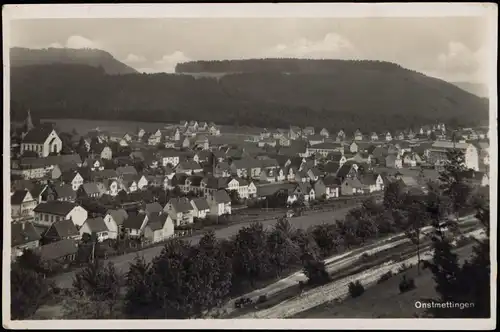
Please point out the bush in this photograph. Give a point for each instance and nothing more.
(356, 289)
(262, 299)
(406, 284)
(316, 272)
(386, 276)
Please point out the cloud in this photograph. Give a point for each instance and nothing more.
(332, 46)
(133, 58)
(168, 62)
(460, 63)
(77, 42)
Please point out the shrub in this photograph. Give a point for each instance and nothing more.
(262, 299)
(356, 289)
(316, 272)
(406, 284)
(386, 276)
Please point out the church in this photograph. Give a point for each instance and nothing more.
(42, 140)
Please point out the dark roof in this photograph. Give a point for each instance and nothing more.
(200, 203)
(189, 165)
(214, 183)
(369, 179)
(37, 135)
(126, 170)
(221, 196)
(104, 174)
(331, 181)
(134, 221)
(335, 156)
(267, 163)
(153, 208)
(119, 216)
(156, 222)
(91, 188)
(96, 225)
(20, 235)
(68, 176)
(344, 170)
(65, 190)
(65, 228)
(180, 204)
(58, 249)
(18, 196)
(59, 208)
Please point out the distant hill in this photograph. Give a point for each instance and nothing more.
(370, 95)
(20, 57)
(480, 90)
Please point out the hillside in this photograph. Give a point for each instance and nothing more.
(20, 57)
(477, 89)
(366, 95)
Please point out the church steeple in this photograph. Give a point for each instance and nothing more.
(29, 122)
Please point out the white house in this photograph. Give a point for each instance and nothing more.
(135, 223)
(388, 137)
(180, 210)
(239, 185)
(95, 226)
(22, 204)
(50, 212)
(252, 189)
(220, 203)
(72, 178)
(200, 207)
(42, 140)
(159, 228)
(114, 221)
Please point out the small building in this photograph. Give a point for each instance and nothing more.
(48, 213)
(220, 203)
(95, 226)
(200, 207)
(62, 230)
(22, 205)
(23, 236)
(63, 251)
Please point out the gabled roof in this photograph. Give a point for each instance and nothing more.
(331, 181)
(21, 235)
(267, 163)
(180, 204)
(344, 169)
(18, 196)
(153, 208)
(119, 216)
(221, 196)
(65, 228)
(104, 174)
(91, 188)
(332, 167)
(59, 208)
(134, 221)
(449, 145)
(189, 165)
(58, 249)
(326, 146)
(157, 221)
(96, 225)
(65, 190)
(200, 203)
(37, 135)
(369, 179)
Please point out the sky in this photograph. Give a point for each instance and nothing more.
(451, 48)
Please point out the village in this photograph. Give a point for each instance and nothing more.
(136, 189)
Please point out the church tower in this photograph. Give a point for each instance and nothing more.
(28, 124)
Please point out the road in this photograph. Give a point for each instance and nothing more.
(121, 263)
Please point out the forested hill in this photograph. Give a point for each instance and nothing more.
(296, 66)
(20, 56)
(357, 96)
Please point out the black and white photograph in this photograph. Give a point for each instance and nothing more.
(250, 166)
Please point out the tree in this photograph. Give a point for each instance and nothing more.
(29, 291)
(315, 271)
(235, 197)
(251, 257)
(393, 195)
(416, 219)
(138, 294)
(327, 237)
(283, 250)
(452, 180)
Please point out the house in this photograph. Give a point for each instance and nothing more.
(315, 139)
(437, 153)
(159, 228)
(284, 141)
(102, 151)
(127, 184)
(72, 178)
(125, 170)
(62, 252)
(222, 170)
(246, 167)
(151, 209)
(169, 157)
(200, 207)
(252, 190)
(411, 159)
(134, 224)
(400, 136)
(362, 158)
(388, 137)
(294, 133)
(308, 131)
(142, 181)
(188, 167)
(324, 132)
(23, 236)
(41, 140)
(411, 135)
(48, 213)
(239, 185)
(372, 182)
(62, 230)
(95, 226)
(213, 130)
(328, 187)
(90, 190)
(393, 161)
(304, 190)
(220, 203)
(358, 135)
(353, 147)
(22, 205)
(351, 186)
(314, 173)
(301, 177)
(374, 136)
(341, 135)
(180, 210)
(111, 186)
(60, 192)
(114, 220)
(155, 138)
(349, 170)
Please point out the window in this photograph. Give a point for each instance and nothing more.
(46, 217)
